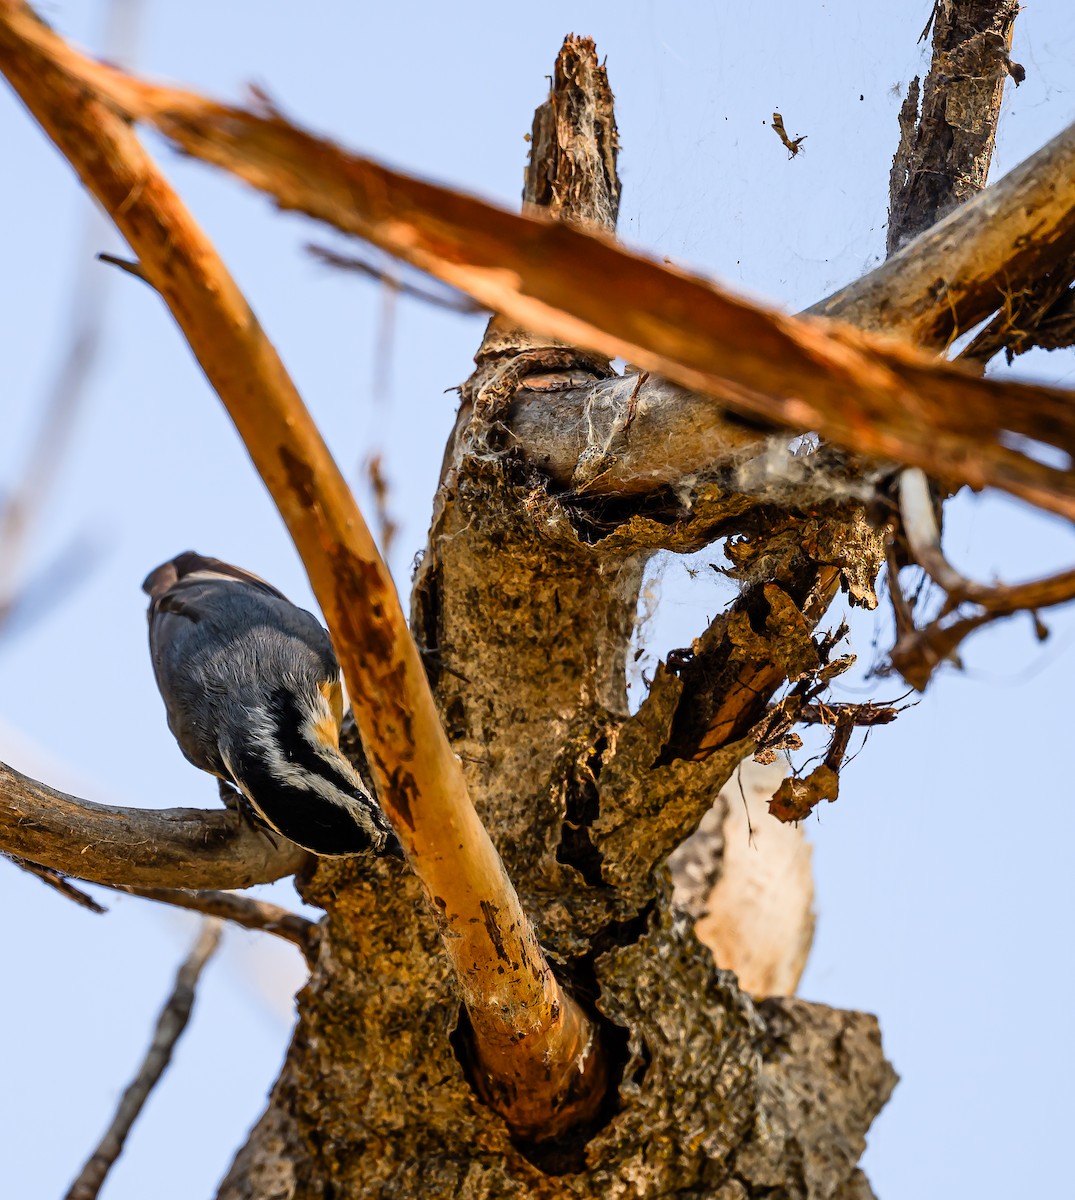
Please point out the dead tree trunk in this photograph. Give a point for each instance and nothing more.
(524, 606)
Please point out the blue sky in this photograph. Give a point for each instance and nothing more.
(942, 872)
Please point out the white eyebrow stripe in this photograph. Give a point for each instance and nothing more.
(263, 733)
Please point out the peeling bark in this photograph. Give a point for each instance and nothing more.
(871, 395)
(747, 882)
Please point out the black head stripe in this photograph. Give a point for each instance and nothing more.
(317, 824)
(347, 823)
(288, 722)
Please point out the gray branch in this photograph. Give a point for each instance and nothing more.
(102, 843)
(634, 434)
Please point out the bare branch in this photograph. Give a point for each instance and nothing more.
(173, 847)
(856, 715)
(959, 271)
(228, 906)
(534, 1042)
(626, 435)
(170, 1025)
(240, 910)
(570, 178)
(944, 158)
(919, 651)
(452, 301)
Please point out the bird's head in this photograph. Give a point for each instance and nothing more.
(293, 773)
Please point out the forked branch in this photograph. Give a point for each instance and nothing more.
(918, 652)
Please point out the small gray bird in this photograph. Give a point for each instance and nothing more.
(253, 693)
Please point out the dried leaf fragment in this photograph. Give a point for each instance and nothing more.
(795, 798)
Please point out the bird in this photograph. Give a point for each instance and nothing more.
(254, 696)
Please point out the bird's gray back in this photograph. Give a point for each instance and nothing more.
(214, 645)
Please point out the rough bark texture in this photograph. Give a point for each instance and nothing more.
(972, 40)
(174, 847)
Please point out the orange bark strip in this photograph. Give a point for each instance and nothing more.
(873, 394)
(535, 1044)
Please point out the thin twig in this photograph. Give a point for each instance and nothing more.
(127, 265)
(59, 882)
(457, 302)
(918, 652)
(240, 910)
(855, 715)
(387, 527)
(26, 503)
(170, 1025)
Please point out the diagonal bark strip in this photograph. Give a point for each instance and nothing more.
(529, 1033)
(873, 395)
